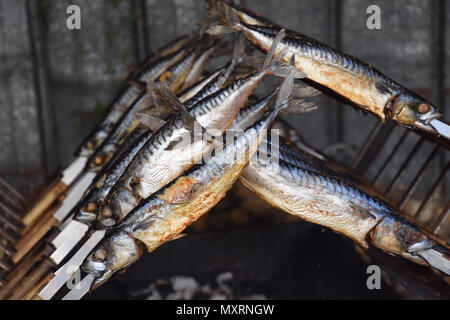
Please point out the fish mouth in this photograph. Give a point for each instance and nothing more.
(96, 268)
(107, 223)
(424, 122)
(86, 217)
(102, 279)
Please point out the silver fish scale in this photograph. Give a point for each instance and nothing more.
(152, 71)
(97, 195)
(216, 98)
(211, 87)
(183, 64)
(202, 174)
(315, 48)
(329, 184)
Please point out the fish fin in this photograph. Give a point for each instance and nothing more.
(168, 97)
(145, 102)
(188, 119)
(219, 10)
(284, 94)
(364, 213)
(148, 121)
(216, 29)
(300, 106)
(302, 90)
(138, 85)
(273, 63)
(284, 98)
(178, 236)
(238, 56)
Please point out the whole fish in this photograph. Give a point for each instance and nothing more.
(350, 77)
(165, 214)
(314, 193)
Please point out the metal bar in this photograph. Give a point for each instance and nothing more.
(366, 145)
(334, 116)
(22, 269)
(33, 277)
(139, 29)
(5, 265)
(431, 190)
(391, 155)
(437, 224)
(38, 47)
(372, 147)
(11, 213)
(417, 178)
(16, 228)
(11, 189)
(16, 203)
(405, 164)
(376, 150)
(7, 236)
(7, 250)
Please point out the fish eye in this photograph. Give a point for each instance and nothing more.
(423, 108)
(100, 254)
(91, 207)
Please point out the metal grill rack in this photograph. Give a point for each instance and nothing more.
(11, 202)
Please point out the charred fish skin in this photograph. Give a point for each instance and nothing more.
(86, 212)
(169, 211)
(348, 76)
(154, 166)
(328, 201)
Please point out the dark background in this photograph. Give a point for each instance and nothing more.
(55, 83)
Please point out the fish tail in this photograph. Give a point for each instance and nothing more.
(225, 20)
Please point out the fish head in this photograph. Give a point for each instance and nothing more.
(396, 235)
(413, 111)
(87, 213)
(114, 253)
(105, 219)
(98, 160)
